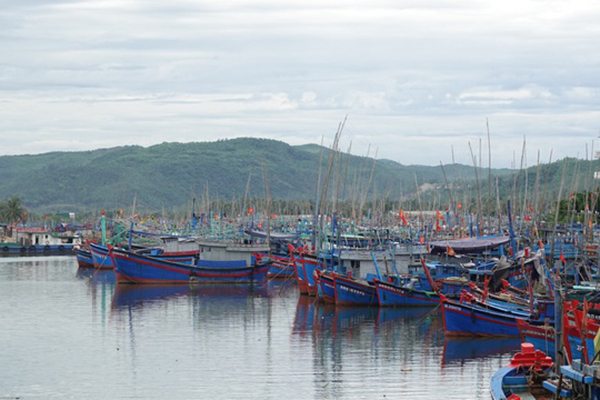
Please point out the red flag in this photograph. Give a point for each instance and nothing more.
(439, 216)
(450, 251)
(403, 217)
(562, 258)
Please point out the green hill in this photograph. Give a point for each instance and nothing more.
(171, 174)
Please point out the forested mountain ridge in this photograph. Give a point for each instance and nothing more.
(170, 174)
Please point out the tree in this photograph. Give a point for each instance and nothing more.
(12, 210)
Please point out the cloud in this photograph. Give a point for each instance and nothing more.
(416, 78)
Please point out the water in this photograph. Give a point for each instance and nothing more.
(68, 333)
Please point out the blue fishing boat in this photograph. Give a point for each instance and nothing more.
(282, 266)
(304, 271)
(100, 256)
(353, 292)
(300, 275)
(310, 266)
(540, 334)
(524, 377)
(84, 258)
(132, 267)
(466, 319)
(470, 245)
(392, 295)
(325, 285)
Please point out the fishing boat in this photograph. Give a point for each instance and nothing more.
(84, 257)
(524, 377)
(100, 256)
(353, 292)
(468, 245)
(282, 266)
(464, 318)
(540, 334)
(393, 295)
(39, 241)
(304, 272)
(325, 285)
(131, 267)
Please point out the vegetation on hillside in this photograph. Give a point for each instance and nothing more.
(231, 174)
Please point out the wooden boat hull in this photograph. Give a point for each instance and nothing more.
(463, 319)
(390, 295)
(541, 336)
(349, 292)
(100, 256)
(281, 268)
(133, 268)
(300, 277)
(310, 266)
(326, 286)
(84, 258)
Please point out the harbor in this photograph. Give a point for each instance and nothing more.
(75, 333)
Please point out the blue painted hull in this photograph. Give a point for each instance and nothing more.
(300, 277)
(389, 295)
(326, 287)
(100, 256)
(349, 292)
(469, 320)
(84, 258)
(309, 272)
(278, 271)
(576, 347)
(281, 268)
(541, 336)
(133, 268)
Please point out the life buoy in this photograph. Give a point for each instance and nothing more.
(32, 248)
(5, 248)
(47, 247)
(61, 247)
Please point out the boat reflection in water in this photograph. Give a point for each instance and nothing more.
(96, 276)
(465, 349)
(313, 317)
(139, 296)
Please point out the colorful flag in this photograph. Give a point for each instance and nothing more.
(403, 217)
(450, 251)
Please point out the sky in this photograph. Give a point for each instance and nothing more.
(420, 82)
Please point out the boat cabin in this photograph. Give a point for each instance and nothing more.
(26, 237)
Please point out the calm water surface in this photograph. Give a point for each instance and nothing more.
(69, 333)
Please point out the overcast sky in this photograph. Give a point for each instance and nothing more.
(417, 79)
